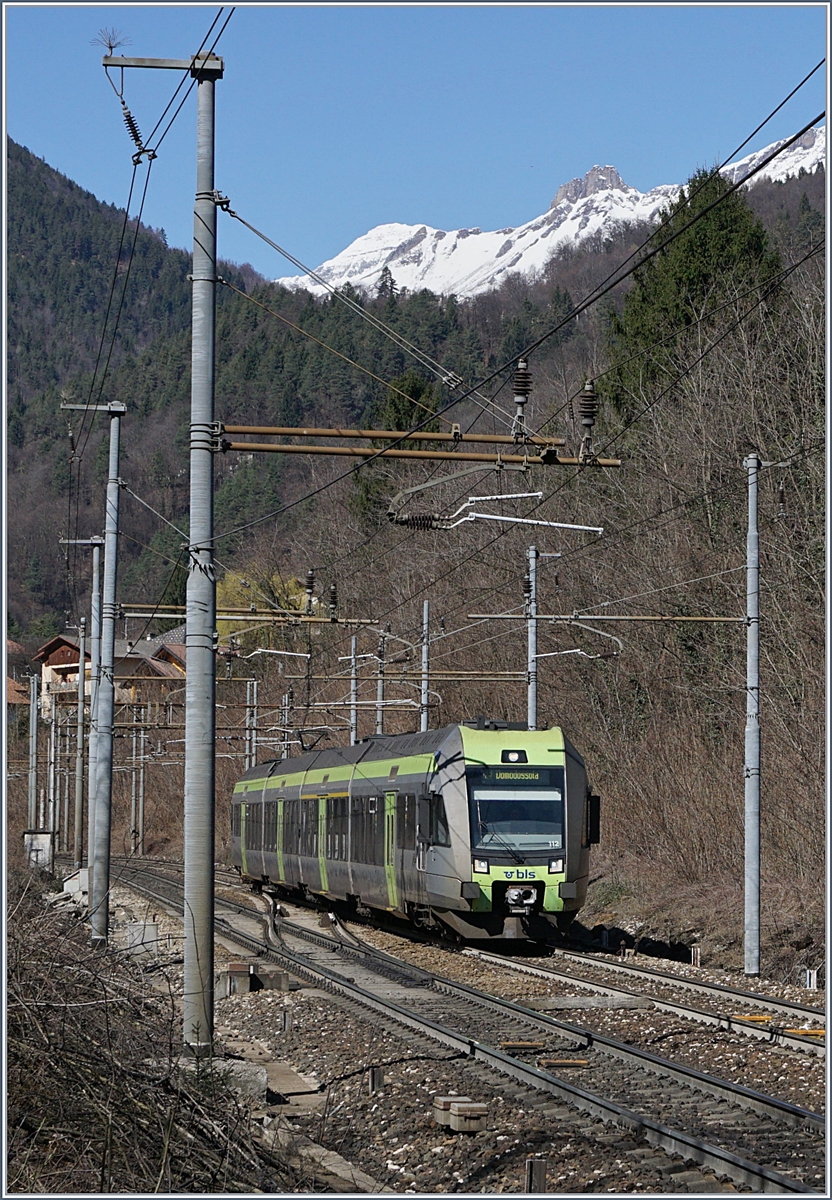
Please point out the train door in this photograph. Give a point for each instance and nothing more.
(390, 848)
(406, 847)
(422, 845)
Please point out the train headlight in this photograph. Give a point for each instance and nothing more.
(481, 866)
(555, 866)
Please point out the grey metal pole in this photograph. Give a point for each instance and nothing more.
(100, 894)
(247, 755)
(200, 692)
(531, 555)
(353, 692)
(50, 774)
(142, 752)
(255, 684)
(134, 785)
(79, 744)
(752, 729)
(380, 688)
(95, 677)
(32, 816)
(63, 784)
(423, 700)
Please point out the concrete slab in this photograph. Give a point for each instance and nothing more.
(329, 1167)
(299, 1091)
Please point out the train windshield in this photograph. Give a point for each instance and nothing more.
(516, 809)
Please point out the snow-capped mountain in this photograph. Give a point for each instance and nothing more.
(467, 261)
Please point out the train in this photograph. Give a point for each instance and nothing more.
(480, 831)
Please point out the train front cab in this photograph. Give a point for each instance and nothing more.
(522, 860)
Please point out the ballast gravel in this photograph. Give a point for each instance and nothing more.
(787, 1074)
(391, 1133)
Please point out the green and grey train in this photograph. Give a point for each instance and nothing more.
(482, 831)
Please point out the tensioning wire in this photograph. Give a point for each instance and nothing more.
(440, 372)
(331, 349)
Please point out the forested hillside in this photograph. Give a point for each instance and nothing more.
(714, 348)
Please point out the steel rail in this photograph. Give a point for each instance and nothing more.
(721, 1161)
(789, 1008)
(781, 1110)
(734, 1024)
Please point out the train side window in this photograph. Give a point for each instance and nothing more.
(359, 829)
(270, 826)
(336, 832)
(439, 833)
(308, 828)
(254, 826)
(235, 820)
(405, 821)
(290, 826)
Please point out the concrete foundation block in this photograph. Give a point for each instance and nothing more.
(235, 980)
(78, 882)
(142, 937)
(272, 978)
(467, 1117)
(442, 1107)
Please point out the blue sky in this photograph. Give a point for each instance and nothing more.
(333, 119)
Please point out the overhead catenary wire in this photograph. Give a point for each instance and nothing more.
(432, 364)
(331, 349)
(614, 534)
(593, 298)
(78, 454)
(449, 406)
(441, 373)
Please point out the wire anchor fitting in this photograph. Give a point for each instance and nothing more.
(133, 130)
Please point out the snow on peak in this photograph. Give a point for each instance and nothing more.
(465, 262)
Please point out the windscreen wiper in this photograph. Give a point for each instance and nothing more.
(518, 858)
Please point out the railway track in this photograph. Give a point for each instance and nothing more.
(777, 1022)
(757, 1141)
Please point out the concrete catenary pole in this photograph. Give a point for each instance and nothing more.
(255, 717)
(99, 895)
(79, 744)
(423, 702)
(200, 692)
(95, 678)
(380, 688)
(32, 815)
(353, 691)
(50, 772)
(142, 754)
(752, 465)
(531, 555)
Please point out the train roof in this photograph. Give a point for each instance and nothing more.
(370, 750)
(387, 746)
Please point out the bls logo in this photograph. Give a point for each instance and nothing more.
(519, 874)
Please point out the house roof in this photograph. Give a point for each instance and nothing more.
(171, 653)
(56, 643)
(16, 693)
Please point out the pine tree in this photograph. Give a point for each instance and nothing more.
(722, 255)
